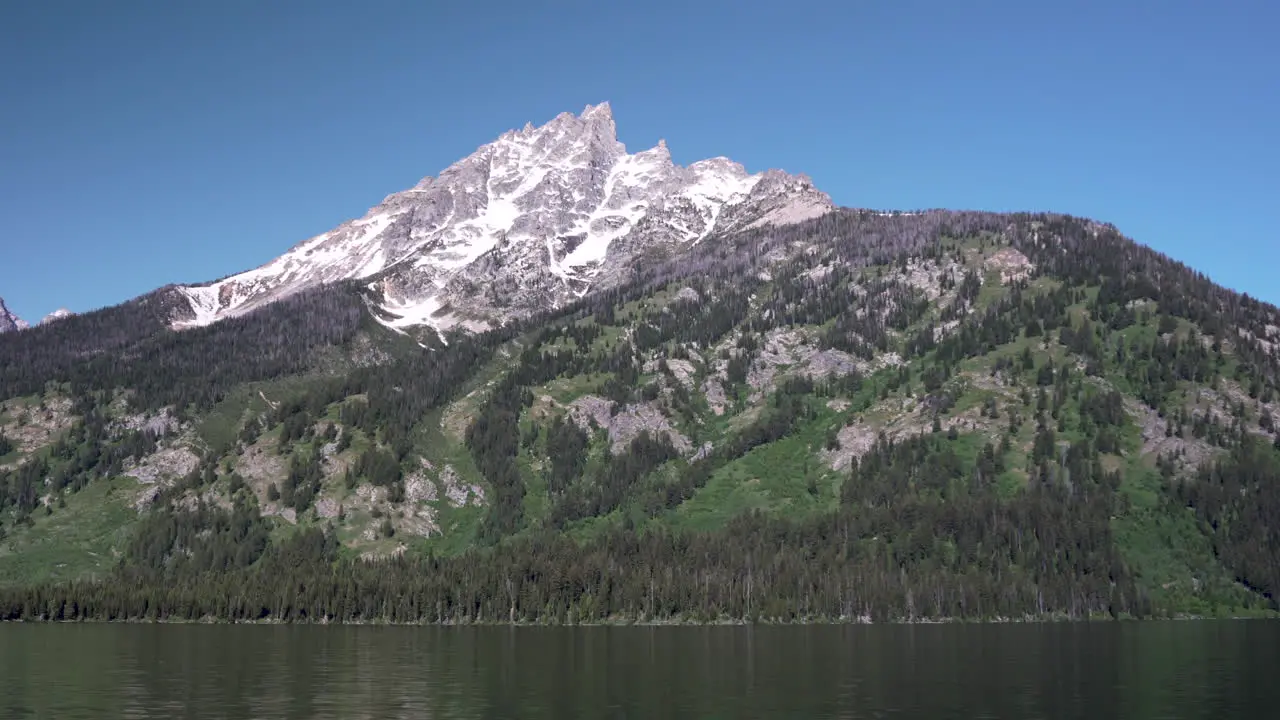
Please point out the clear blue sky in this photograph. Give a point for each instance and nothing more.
(149, 142)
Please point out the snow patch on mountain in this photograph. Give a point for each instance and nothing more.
(430, 311)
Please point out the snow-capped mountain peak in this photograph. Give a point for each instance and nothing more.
(58, 314)
(528, 221)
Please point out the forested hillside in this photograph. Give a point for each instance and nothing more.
(864, 416)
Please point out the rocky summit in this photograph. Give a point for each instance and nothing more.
(8, 321)
(536, 218)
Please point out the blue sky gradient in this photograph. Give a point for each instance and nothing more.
(148, 142)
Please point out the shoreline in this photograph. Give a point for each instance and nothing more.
(622, 622)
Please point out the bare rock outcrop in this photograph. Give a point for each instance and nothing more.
(458, 492)
(164, 466)
(1011, 264)
(626, 423)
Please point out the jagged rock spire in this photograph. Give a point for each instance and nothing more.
(8, 321)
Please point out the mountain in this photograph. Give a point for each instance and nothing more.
(528, 222)
(58, 314)
(731, 412)
(8, 321)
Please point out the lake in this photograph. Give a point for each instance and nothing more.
(1209, 669)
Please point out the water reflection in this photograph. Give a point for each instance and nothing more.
(1148, 670)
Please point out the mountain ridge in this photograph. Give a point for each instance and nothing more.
(9, 322)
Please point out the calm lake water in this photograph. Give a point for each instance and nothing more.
(1105, 670)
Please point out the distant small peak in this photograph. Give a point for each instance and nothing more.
(56, 315)
(719, 165)
(659, 149)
